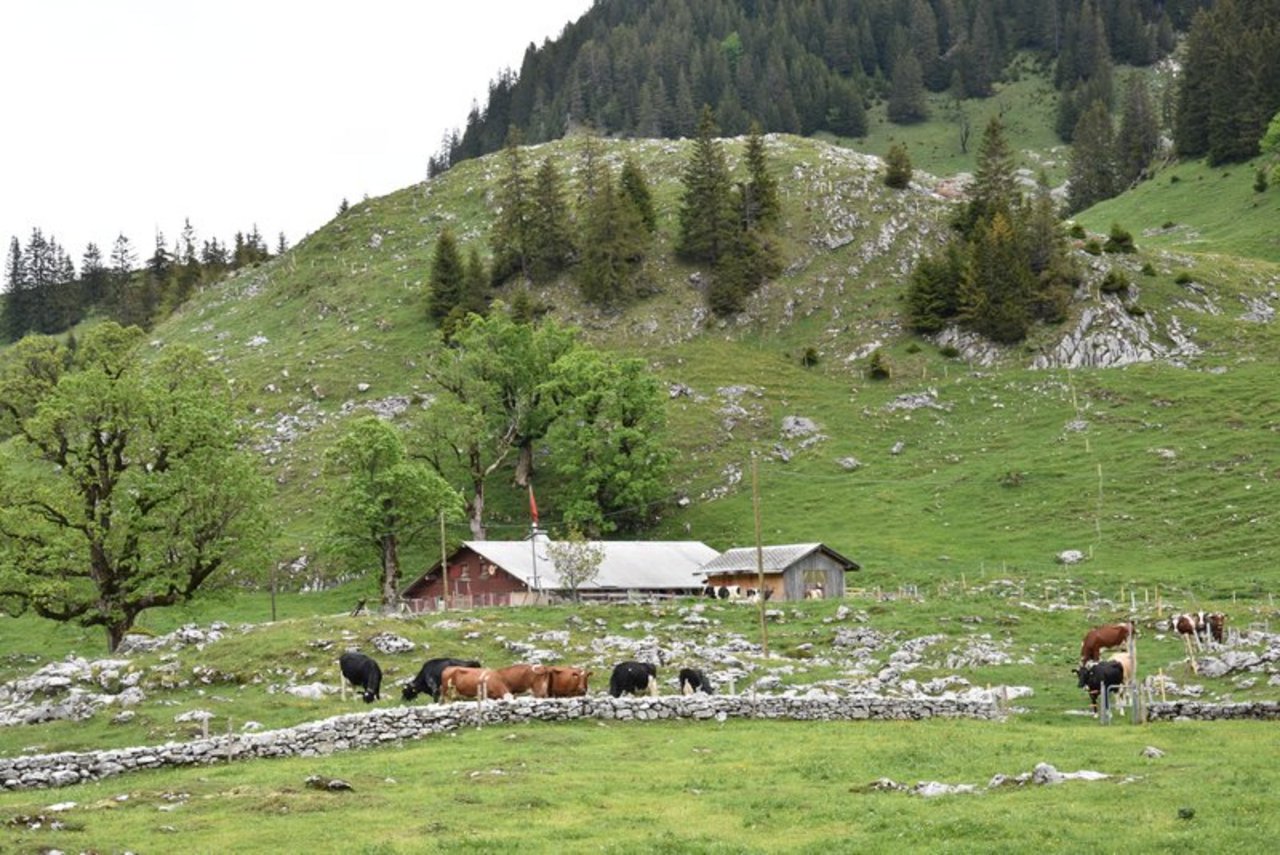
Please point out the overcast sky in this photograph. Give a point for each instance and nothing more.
(127, 116)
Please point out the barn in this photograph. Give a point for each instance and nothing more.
(522, 572)
(791, 572)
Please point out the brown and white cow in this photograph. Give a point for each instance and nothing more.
(480, 683)
(523, 677)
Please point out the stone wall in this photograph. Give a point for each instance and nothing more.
(1204, 711)
(381, 726)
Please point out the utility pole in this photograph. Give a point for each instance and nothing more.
(755, 504)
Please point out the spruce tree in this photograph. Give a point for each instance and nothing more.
(448, 276)
(1092, 175)
(1139, 135)
(550, 246)
(636, 189)
(995, 188)
(16, 314)
(613, 244)
(907, 103)
(761, 207)
(509, 236)
(898, 167)
(706, 210)
(998, 288)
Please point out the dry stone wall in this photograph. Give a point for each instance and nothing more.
(379, 727)
(1204, 711)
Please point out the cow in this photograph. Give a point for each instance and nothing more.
(522, 677)
(1189, 626)
(567, 682)
(633, 678)
(479, 683)
(1216, 625)
(1099, 677)
(692, 680)
(1102, 637)
(428, 681)
(363, 673)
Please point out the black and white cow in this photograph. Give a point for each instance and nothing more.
(633, 678)
(427, 681)
(692, 680)
(363, 673)
(1099, 677)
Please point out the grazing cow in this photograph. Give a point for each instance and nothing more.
(567, 682)
(363, 673)
(428, 679)
(813, 593)
(523, 677)
(692, 680)
(1098, 677)
(1102, 637)
(1189, 626)
(1216, 625)
(633, 678)
(481, 683)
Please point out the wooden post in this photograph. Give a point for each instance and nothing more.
(444, 563)
(755, 503)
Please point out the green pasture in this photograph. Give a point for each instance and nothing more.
(740, 786)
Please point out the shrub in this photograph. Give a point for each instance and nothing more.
(914, 347)
(898, 167)
(1092, 247)
(878, 368)
(1077, 231)
(809, 358)
(950, 351)
(1260, 181)
(1135, 310)
(1168, 224)
(1184, 278)
(1114, 282)
(1119, 240)
(1174, 179)
(1148, 269)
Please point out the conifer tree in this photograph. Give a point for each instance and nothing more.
(706, 211)
(636, 189)
(16, 312)
(93, 274)
(761, 207)
(1093, 170)
(906, 96)
(613, 244)
(898, 167)
(1139, 135)
(550, 239)
(995, 188)
(448, 276)
(509, 236)
(998, 288)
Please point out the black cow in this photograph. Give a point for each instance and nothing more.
(632, 677)
(692, 680)
(427, 682)
(363, 673)
(1098, 677)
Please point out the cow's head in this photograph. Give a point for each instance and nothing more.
(408, 693)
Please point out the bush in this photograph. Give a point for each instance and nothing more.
(1174, 179)
(898, 167)
(878, 368)
(1092, 247)
(950, 351)
(1260, 181)
(1148, 269)
(914, 347)
(1135, 310)
(1119, 240)
(1114, 282)
(809, 358)
(1184, 278)
(1168, 224)
(1077, 231)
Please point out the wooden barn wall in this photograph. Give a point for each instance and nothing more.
(482, 583)
(749, 580)
(812, 569)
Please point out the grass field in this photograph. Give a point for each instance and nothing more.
(741, 786)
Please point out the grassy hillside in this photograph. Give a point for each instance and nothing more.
(1160, 471)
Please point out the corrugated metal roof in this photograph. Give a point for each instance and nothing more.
(627, 564)
(742, 559)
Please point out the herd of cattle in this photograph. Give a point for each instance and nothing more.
(1099, 677)
(447, 678)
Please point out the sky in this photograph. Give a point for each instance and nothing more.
(131, 116)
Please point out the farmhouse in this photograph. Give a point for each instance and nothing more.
(522, 572)
(791, 572)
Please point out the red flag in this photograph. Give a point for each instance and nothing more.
(533, 506)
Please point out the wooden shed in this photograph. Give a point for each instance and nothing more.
(791, 572)
(522, 572)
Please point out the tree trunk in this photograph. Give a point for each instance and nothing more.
(524, 464)
(390, 573)
(476, 509)
(116, 633)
